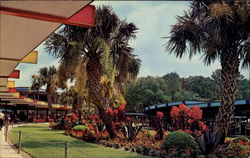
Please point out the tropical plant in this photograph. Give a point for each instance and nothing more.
(220, 30)
(130, 129)
(209, 141)
(71, 97)
(187, 119)
(47, 77)
(158, 120)
(105, 51)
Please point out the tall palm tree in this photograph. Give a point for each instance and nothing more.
(110, 36)
(217, 29)
(47, 77)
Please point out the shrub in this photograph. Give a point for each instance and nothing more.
(79, 128)
(178, 140)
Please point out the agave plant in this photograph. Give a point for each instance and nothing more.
(210, 140)
(130, 130)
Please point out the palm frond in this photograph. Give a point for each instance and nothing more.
(186, 31)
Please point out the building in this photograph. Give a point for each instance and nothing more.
(210, 109)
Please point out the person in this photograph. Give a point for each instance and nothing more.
(1, 120)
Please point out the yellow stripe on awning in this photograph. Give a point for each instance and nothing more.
(11, 84)
(3, 82)
(17, 94)
(31, 58)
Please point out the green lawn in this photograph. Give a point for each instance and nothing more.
(35, 136)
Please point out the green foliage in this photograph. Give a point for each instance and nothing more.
(178, 140)
(146, 91)
(150, 90)
(241, 138)
(79, 128)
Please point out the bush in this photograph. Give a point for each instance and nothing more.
(178, 140)
(79, 128)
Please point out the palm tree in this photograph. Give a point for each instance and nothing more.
(71, 97)
(47, 77)
(105, 45)
(217, 29)
(36, 84)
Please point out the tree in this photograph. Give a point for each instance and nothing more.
(36, 84)
(220, 30)
(173, 82)
(244, 88)
(205, 87)
(106, 53)
(146, 91)
(47, 77)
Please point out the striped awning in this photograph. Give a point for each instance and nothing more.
(26, 24)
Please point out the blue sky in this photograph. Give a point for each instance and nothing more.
(154, 20)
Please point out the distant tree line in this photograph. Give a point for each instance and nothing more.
(171, 87)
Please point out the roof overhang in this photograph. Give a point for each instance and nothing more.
(26, 24)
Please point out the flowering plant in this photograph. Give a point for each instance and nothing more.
(188, 119)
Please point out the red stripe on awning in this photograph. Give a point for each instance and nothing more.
(84, 18)
(14, 74)
(12, 90)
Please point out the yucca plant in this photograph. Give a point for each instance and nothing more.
(209, 141)
(130, 130)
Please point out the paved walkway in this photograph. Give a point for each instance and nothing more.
(6, 149)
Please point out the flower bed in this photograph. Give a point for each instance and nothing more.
(144, 143)
(189, 137)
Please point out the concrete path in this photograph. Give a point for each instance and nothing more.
(6, 149)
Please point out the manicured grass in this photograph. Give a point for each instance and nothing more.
(37, 140)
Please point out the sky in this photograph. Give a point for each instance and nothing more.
(154, 20)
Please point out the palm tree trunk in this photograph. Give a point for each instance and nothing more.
(228, 89)
(51, 112)
(75, 107)
(94, 73)
(38, 94)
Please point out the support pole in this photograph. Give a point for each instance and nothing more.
(66, 150)
(19, 142)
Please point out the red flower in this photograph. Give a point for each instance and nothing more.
(115, 111)
(204, 127)
(96, 117)
(196, 112)
(198, 133)
(174, 112)
(128, 119)
(109, 111)
(159, 115)
(190, 121)
(122, 107)
(183, 108)
(188, 131)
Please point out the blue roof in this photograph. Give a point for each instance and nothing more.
(191, 103)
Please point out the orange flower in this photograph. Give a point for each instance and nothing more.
(109, 111)
(122, 107)
(159, 115)
(115, 111)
